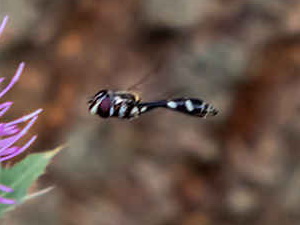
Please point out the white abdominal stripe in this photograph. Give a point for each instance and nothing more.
(172, 105)
(122, 110)
(189, 105)
(192, 106)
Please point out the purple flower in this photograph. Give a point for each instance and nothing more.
(11, 132)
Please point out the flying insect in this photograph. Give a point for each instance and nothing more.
(128, 105)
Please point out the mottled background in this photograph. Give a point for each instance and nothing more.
(165, 168)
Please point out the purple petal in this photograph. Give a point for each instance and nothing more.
(11, 128)
(9, 151)
(5, 188)
(24, 118)
(7, 142)
(7, 201)
(14, 79)
(19, 150)
(4, 107)
(8, 130)
(3, 24)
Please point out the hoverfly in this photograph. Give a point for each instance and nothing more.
(128, 105)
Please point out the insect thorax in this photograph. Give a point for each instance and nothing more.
(124, 105)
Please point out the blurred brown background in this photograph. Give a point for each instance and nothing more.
(165, 168)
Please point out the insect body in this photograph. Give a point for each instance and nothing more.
(127, 105)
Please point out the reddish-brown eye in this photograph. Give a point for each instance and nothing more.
(105, 105)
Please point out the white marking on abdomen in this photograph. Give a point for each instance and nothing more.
(118, 100)
(111, 111)
(144, 108)
(172, 105)
(122, 110)
(134, 111)
(189, 105)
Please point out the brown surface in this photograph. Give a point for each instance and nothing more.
(240, 167)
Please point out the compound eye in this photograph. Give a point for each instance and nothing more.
(105, 105)
(101, 106)
(100, 102)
